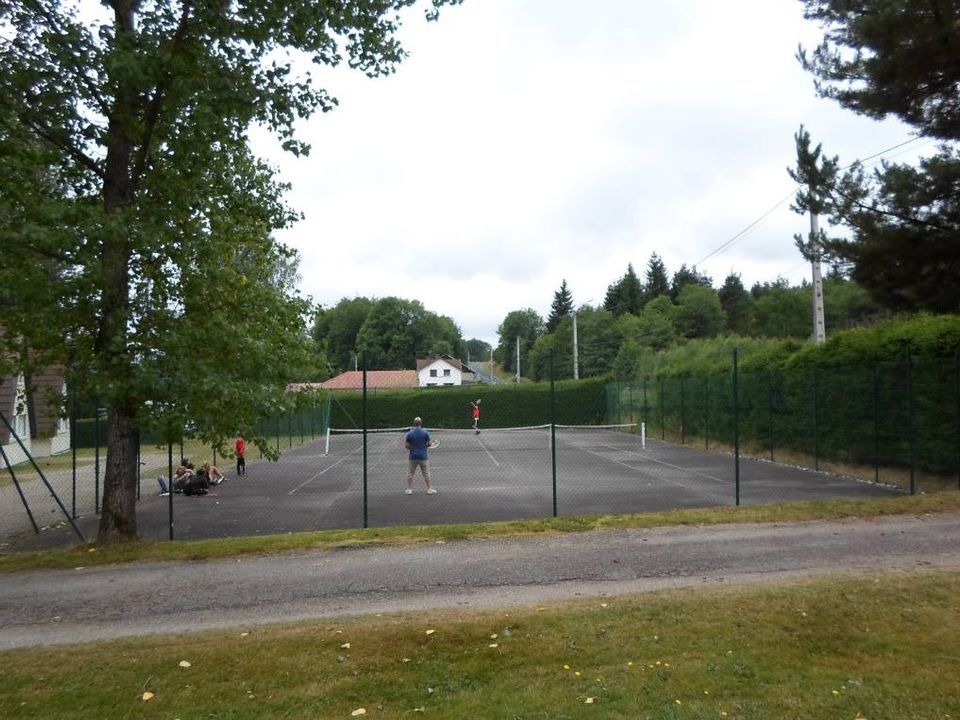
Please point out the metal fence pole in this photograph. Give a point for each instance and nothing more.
(956, 375)
(96, 459)
(816, 429)
(645, 407)
(663, 431)
(770, 412)
(910, 425)
(73, 453)
(876, 422)
(170, 486)
(706, 412)
(683, 419)
(364, 420)
(736, 427)
(553, 432)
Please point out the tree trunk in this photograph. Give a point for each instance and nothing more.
(118, 520)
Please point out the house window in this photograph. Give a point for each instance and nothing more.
(446, 373)
(433, 373)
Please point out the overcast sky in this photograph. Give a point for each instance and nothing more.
(525, 142)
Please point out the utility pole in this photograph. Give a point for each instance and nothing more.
(819, 327)
(576, 357)
(518, 358)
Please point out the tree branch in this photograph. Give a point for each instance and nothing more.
(156, 102)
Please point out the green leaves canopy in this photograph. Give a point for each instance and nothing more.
(138, 248)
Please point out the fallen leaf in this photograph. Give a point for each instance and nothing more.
(603, 605)
(358, 712)
(244, 634)
(147, 696)
(493, 637)
(429, 632)
(492, 645)
(345, 646)
(566, 667)
(588, 701)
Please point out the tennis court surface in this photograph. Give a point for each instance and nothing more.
(494, 475)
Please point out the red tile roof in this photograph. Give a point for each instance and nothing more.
(376, 380)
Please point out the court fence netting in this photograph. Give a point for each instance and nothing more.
(538, 450)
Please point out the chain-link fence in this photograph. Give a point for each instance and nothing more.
(896, 423)
(53, 492)
(548, 449)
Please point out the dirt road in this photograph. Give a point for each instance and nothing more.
(48, 607)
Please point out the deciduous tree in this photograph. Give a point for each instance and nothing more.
(135, 198)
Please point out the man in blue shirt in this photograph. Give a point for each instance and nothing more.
(417, 442)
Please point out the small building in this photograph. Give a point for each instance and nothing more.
(444, 370)
(35, 416)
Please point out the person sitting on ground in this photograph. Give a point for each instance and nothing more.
(182, 475)
(198, 483)
(213, 472)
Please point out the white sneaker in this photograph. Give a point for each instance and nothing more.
(408, 491)
(431, 491)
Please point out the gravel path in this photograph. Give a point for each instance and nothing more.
(66, 606)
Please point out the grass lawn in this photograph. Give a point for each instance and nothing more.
(877, 646)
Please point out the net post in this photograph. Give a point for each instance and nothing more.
(326, 446)
(643, 436)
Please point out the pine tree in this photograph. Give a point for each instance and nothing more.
(625, 295)
(561, 307)
(896, 57)
(657, 282)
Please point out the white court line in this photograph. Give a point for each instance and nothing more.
(659, 462)
(487, 451)
(331, 467)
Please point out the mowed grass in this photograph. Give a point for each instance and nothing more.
(881, 645)
(93, 554)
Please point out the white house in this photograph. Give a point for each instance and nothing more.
(445, 370)
(34, 415)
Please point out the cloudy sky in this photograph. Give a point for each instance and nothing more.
(525, 142)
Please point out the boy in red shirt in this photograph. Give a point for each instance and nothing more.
(240, 446)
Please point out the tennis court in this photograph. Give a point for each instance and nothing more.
(494, 475)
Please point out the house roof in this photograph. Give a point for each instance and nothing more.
(452, 361)
(376, 379)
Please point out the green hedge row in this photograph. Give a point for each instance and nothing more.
(575, 403)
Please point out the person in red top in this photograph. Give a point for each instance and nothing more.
(240, 446)
(476, 416)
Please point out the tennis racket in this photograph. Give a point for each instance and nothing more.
(433, 444)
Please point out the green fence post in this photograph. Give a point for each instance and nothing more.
(553, 432)
(363, 415)
(910, 428)
(816, 429)
(706, 412)
(683, 419)
(645, 407)
(73, 453)
(956, 375)
(663, 431)
(876, 422)
(96, 459)
(770, 411)
(736, 427)
(170, 487)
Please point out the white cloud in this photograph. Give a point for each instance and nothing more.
(525, 143)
